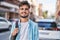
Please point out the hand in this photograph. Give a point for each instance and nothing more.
(15, 32)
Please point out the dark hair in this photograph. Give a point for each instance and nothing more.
(24, 3)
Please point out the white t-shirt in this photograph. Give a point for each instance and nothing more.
(24, 31)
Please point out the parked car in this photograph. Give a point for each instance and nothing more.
(13, 20)
(46, 23)
(4, 23)
(48, 29)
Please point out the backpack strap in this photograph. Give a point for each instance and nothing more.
(14, 37)
(16, 24)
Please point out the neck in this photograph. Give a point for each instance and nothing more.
(24, 19)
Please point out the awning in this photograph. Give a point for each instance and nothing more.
(3, 9)
(8, 4)
(7, 10)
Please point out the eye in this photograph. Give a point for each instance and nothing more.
(26, 8)
(22, 8)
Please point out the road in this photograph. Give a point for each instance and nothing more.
(4, 35)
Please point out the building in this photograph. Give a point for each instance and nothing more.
(57, 8)
(57, 16)
(8, 8)
(40, 13)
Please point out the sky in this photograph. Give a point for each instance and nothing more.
(49, 5)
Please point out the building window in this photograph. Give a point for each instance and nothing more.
(2, 14)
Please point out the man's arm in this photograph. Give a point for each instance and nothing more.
(14, 31)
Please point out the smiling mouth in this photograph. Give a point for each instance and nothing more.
(24, 13)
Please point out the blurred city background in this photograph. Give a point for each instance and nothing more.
(41, 11)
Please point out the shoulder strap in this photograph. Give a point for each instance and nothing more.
(16, 24)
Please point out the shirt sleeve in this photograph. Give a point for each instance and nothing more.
(12, 29)
(36, 34)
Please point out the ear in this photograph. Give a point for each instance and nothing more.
(29, 10)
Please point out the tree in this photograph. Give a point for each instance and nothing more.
(45, 14)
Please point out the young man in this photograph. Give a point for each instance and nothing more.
(27, 30)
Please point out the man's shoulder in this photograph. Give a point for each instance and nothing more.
(33, 22)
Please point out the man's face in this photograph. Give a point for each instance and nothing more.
(24, 11)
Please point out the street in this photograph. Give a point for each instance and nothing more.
(4, 35)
